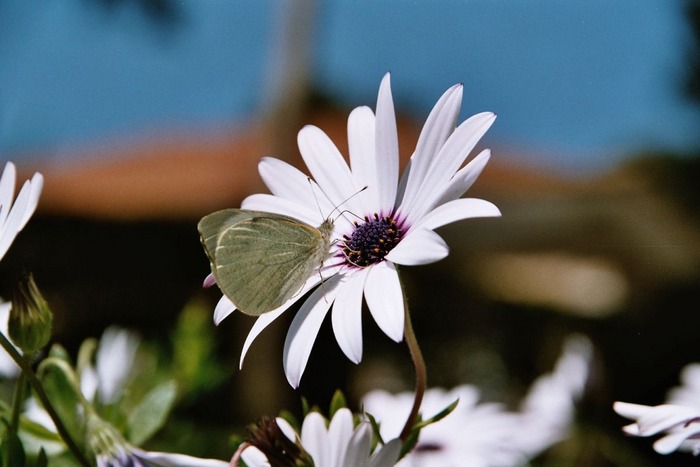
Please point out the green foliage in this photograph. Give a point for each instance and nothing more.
(337, 402)
(194, 363)
(151, 413)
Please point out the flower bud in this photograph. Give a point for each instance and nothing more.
(30, 319)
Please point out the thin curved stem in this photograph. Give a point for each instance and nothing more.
(421, 372)
(41, 394)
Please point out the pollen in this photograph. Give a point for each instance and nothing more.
(371, 240)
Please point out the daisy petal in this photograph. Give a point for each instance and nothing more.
(286, 207)
(7, 190)
(359, 446)
(327, 166)
(631, 411)
(388, 455)
(347, 316)
(223, 308)
(314, 438)
(261, 323)
(13, 222)
(664, 417)
(340, 431)
(387, 147)
(304, 328)
(419, 246)
(438, 127)
(464, 178)
(447, 162)
(361, 146)
(385, 299)
(286, 181)
(37, 184)
(673, 441)
(455, 210)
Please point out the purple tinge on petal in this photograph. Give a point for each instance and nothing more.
(209, 281)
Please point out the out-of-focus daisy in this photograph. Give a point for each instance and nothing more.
(391, 222)
(13, 217)
(678, 419)
(487, 434)
(114, 362)
(336, 444)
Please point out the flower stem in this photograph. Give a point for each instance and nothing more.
(34, 382)
(421, 373)
(14, 421)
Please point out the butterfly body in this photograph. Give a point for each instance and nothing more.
(259, 259)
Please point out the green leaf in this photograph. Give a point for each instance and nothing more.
(63, 390)
(337, 402)
(151, 413)
(12, 443)
(438, 416)
(41, 459)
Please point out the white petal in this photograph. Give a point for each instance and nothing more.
(387, 147)
(13, 223)
(314, 438)
(673, 441)
(37, 184)
(455, 210)
(447, 162)
(419, 246)
(165, 459)
(438, 127)
(7, 190)
(664, 417)
(464, 178)
(328, 167)
(266, 318)
(631, 411)
(309, 214)
(304, 328)
(340, 431)
(347, 315)
(223, 308)
(286, 181)
(287, 429)
(361, 144)
(261, 323)
(359, 446)
(254, 457)
(385, 299)
(388, 455)
(114, 361)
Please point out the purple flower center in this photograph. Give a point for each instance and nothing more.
(371, 240)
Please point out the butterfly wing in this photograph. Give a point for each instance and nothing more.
(260, 260)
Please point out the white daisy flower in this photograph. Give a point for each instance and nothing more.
(392, 222)
(678, 418)
(13, 217)
(335, 444)
(128, 456)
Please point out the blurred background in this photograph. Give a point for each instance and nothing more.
(145, 115)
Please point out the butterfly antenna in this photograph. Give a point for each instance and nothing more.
(331, 201)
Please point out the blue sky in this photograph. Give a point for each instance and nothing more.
(577, 85)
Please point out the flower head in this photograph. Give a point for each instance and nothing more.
(337, 443)
(390, 222)
(30, 318)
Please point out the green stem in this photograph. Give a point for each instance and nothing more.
(14, 422)
(421, 373)
(41, 394)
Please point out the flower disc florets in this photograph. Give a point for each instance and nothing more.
(371, 240)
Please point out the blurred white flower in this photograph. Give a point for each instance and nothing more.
(13, 217)
(486, 434)
(113, 364)
(335, 444)
(133, 457)
(678, 419)
(393, 220)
